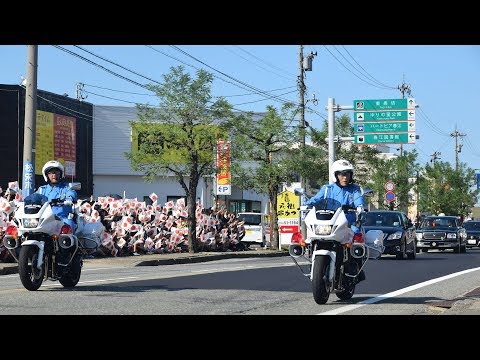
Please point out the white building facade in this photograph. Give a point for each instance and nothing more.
(112, 173)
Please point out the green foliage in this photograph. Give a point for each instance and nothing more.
(402, 171)
(180, 135)
(444, 189)
(261, 145)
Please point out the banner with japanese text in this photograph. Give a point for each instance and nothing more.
(224, 186)
(287, 214)
(55, 140)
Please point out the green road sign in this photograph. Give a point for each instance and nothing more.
(384, 115)
(396, 138)
(383, 127)
(383, 104)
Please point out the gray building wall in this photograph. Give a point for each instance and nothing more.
(112, 173)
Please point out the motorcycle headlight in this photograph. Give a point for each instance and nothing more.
(323, 229)
(30, 223)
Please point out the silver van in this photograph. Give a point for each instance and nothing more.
(257, 228)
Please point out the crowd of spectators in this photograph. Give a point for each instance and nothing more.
(114, 226)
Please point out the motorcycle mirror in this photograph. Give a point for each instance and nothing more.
(367, 192)
(299, 191)
(75, 185)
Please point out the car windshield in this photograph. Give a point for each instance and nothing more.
(382, 219)
(250, 219)
(472, 225)
(438, 223)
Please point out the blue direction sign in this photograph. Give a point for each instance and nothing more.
(383, 115)
(384, 127)
(393, 138)
(383, 104)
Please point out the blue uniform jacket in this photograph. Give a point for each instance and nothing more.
(332, 196)
(61, 191)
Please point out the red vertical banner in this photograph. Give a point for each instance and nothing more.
(224, 186)
(65, 142)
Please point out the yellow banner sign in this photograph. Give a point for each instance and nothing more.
(287, 205)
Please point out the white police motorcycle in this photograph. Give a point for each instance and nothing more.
(331, 255)
(42, 244)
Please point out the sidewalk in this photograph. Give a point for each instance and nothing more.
(161, 259)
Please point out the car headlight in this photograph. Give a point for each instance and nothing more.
(395, 236)
(322, 229)
(419, 236)
(451, 236)
(30, 223)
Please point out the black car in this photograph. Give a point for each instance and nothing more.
(473, 233)
(441, 232)
(398, 230)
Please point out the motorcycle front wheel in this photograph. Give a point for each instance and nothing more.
(30, 275)
(72, 276)
(320, 284)
(348, 283)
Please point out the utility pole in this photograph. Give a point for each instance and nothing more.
(301, 92)
(435, 156)
(28, 181)
(404, 88)
(458, 148)
(305, 64)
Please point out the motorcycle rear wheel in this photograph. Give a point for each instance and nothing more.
(320, 284)
(72, 276)
(30, 275)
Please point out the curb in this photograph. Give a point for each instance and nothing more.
(9, 270)
(205, 258)
(12, 268)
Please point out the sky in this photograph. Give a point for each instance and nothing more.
(444, 80)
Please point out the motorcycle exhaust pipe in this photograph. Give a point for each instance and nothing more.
(296, 250)
(10, 242)
(357, 250)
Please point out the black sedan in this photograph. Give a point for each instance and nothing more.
(398, 230)
(441, 233)
(473, 233)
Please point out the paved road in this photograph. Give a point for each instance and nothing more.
(459, 301)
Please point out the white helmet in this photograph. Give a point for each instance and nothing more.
(49, 165)
(340, 166)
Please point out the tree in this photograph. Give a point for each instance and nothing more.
(444, 189)
(362, 157)
(261, 146)
(398, 170)
(180, 135)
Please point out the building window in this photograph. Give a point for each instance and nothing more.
(175, 198)
(237, 206)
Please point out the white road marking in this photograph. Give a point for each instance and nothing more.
(395, 293)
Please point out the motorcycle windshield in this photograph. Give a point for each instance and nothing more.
(328, 204)
(34, 202)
